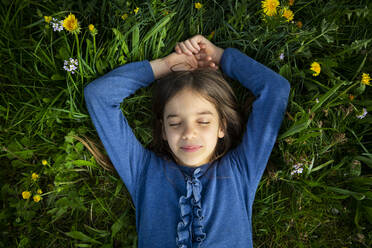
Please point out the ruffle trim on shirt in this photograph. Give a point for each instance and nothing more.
(191, 211)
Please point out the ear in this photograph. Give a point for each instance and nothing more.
(221, 132)
(163, 130)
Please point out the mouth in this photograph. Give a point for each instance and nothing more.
(191, 148)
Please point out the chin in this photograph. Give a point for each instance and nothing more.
(192, 163)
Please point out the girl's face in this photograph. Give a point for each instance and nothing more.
(191, 127)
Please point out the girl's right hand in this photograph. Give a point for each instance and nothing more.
(199, 44)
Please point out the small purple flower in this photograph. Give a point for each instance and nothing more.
(70, 65)
(57, 25)
(361, 116)
(297, 169)
(281, 57)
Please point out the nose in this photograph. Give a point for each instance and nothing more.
(188, 132)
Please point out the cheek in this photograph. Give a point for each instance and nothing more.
(172, 136)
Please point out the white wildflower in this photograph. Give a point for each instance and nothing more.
(361, 116)
(57, 25)
(70, 65)
(297, 169)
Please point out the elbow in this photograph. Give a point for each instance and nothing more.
(87, 91)
(91, 89)
(286, 87)
(282, 88)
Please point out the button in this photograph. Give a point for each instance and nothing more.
(201, 218)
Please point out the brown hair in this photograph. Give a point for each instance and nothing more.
(207, 82)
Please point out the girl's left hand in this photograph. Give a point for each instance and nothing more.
(184, 62)
(180, 62)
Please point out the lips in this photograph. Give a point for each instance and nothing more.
(190, 148)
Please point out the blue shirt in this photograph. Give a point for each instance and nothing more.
(180, 206)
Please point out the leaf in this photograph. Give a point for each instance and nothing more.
(285, 71)
(135, 42)
(296, 127)
(101, 233)
(119, 223)
(360, 90)
(57, 77)
(82, 236)
(356, 195)
(63, 53)
(368, 211)
(326, 96)
(328, 38)
(84, 163)
(316, 198)
(321, 166)
(367, 161)
(158, 26)
(360, 181)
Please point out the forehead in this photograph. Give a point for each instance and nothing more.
(188, 102)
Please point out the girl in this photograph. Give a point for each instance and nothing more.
(195, 187)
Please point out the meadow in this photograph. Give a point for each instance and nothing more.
(316, 190)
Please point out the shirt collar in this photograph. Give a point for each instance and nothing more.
(193, 171)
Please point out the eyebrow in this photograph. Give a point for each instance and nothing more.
(207, 112)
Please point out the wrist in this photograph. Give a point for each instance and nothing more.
(218, 55)
(160, 67)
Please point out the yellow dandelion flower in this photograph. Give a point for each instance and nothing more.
(37, 198)
(34, 176)
(125, 16)
(44, 162)
(288, 14)
(315, 66)
(299, 24)
(39, 191)
(48, 19)
(290, 2)
(92, 29)
(136, 10)
(351, 97)
(26, 194)
(366, 79)
(269, 7)
(198, 5)
(71, 24)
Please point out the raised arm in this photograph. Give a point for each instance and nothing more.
(272, 92)
(103, 97)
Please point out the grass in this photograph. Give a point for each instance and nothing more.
(329, 204)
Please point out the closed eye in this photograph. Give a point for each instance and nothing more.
(176, 124)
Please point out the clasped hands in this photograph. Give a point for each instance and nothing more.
(193, 53)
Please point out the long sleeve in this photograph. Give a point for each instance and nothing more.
(271, 91)
(103, 97)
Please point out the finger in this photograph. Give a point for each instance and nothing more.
(195, 44)
(190, 46)
(204, 63)
(202, 45)
(201, 56)
(194, 62)
(178, 49)
(185, 49)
